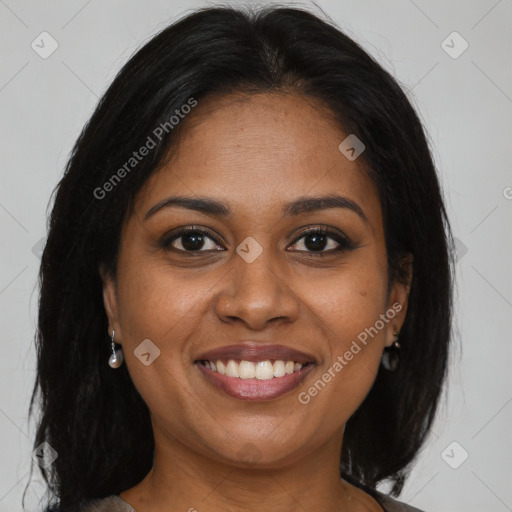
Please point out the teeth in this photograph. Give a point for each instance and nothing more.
(262, 370)
(232, 369)
(247, 370)
(279, 369)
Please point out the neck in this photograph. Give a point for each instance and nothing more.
(189, 481)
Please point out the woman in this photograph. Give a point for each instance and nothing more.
(246, 290)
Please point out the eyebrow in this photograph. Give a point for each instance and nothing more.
(301, 205)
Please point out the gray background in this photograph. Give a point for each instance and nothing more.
(466, 105)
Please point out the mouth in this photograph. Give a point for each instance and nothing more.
(255, 371)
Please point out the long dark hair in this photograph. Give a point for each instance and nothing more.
(94, 417)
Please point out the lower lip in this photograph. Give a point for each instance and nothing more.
(255, 389)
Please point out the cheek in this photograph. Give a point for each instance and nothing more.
(155, 305)
(157, 302)
(354, 353)
(350, 306)
(351, 299)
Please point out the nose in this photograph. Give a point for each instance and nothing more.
(257, 293)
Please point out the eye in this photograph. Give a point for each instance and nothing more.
(191, 239)
(316, 241)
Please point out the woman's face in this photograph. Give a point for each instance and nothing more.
(254, 279)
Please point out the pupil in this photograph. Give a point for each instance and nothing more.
(190, 241)
(318, 241)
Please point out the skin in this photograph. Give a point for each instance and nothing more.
(253, 153)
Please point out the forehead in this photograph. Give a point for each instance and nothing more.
(260, 151)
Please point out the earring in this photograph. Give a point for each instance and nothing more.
(116, 359)
(390, 357)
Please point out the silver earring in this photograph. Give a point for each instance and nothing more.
(390, 357)
(116, 359)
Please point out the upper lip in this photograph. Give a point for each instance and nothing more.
(254, 352)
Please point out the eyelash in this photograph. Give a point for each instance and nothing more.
(344, 242)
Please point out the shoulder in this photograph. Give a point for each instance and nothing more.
(109, 504)
(387, 503)
(392, 505)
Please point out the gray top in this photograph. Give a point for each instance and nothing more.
(115, 503)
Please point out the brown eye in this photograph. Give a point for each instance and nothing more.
(191, 240)
(317, 240)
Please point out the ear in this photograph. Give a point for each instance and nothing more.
(399, 297)
(110, 303)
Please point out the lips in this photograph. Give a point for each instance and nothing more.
(255, 352)
(254, 371)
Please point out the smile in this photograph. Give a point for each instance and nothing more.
(261, 370)
(255, 370)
